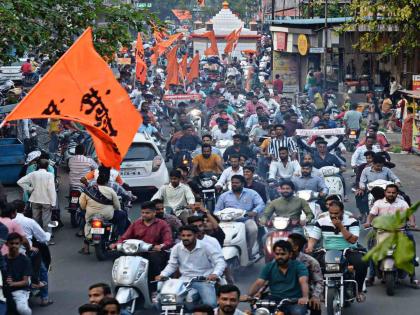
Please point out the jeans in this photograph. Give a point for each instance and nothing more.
(251, 234)
(43, 276)
(294, 309)
(53, 145)
(157, 262)
(3, 308)
(207, 293)
(21, 298)
(263, 166)
(42, 214)
(36, 261)
(361, 267)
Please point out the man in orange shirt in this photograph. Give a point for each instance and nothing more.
(207, 162)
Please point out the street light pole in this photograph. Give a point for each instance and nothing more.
(325, 43)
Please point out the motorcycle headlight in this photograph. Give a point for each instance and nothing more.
(207, 183)
(332, 267)
(168, 299)
(129, 248)
(262, 311)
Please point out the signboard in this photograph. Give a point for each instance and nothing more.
(144, 5)
(316, 50)
(182, 97)
(320, 132)
(286, 66)
(281, 41)
(416, 82)
(303, 44)
(124, 61)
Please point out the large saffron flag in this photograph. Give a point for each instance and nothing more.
(232, 40)
(82, 88)
(141, 67)
(212, 50)
(160, 47)
(194, 72)
(172, 75)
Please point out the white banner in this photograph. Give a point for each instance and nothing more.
(320, 132)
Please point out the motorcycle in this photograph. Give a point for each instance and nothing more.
(176, 296)
(130, 276)
(332, 181)
(235, 247)
(350, 141)
(182, 158)
(339, 277)
(222, 145)
(73, 207)
(206, 184)
(269, 307)
(386, 269)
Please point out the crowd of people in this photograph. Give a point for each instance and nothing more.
(247, 137)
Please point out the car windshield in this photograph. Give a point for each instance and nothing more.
(140, 151)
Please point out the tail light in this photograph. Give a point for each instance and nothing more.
(75, 193)
(353, 132)
(96, 224)
(157, 162)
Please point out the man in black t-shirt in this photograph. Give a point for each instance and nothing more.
(18, 274)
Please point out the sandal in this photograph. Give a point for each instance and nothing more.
(84, 252)
(361, 298)
(46, 302)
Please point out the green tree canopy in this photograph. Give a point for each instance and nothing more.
(51, 26)
(394, 23)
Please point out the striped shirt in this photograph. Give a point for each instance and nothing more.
(80, 165)
(275, 144)
(332, 238)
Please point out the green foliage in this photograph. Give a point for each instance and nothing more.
(404, 250)
(51, 26)
(317, 8)
(394, 23)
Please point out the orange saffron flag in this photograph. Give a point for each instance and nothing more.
(141, 67)
(183, 67)
(194, 72)
(82, 88)
(172, 74)
(160, 47)
(212, 50)
(230, 40)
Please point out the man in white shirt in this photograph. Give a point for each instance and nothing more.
(284, 168)
(358, 156)
(269, 102)
(254, 119)
(233, 169)
(175, 194)
(43, 195)
(222, 132)
(195, 258)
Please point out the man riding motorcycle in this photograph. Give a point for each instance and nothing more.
(246, 199)
(206, 162)
(226, 176)
(288, 205)
(195, 258)
(338, 231)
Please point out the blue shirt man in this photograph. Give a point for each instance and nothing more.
(245, 199)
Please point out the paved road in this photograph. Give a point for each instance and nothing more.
(72, 273)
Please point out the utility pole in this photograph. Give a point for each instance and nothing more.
(273, 2)
(325, 43)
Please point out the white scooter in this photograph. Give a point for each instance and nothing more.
(310, 197)
(333, 181)
(235, 247)
(130, 276)
(376, 183)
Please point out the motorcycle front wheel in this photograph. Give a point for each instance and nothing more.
(333, 302)
(389, 278)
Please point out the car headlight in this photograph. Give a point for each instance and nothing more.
(207, 183)
(262, 311)
(129, 248)
(332, 267)
(168, 299)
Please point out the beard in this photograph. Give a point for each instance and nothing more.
(237, 189)
(229, 309)
(159, 215)
(281, 261)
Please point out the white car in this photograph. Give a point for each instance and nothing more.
(143, 167)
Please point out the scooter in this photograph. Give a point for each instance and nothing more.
(235, 247)
(177, 297)
(350, 141)
(310, 197)
(129, 276)
(333, 181)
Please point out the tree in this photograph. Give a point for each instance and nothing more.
(393, 23)
(51, 26)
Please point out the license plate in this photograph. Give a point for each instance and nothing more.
(168, 307)
(74, 199)
(133, 171)
(97, 230)
(352, 136)
(333, 275)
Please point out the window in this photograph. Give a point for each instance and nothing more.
(140, 151)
